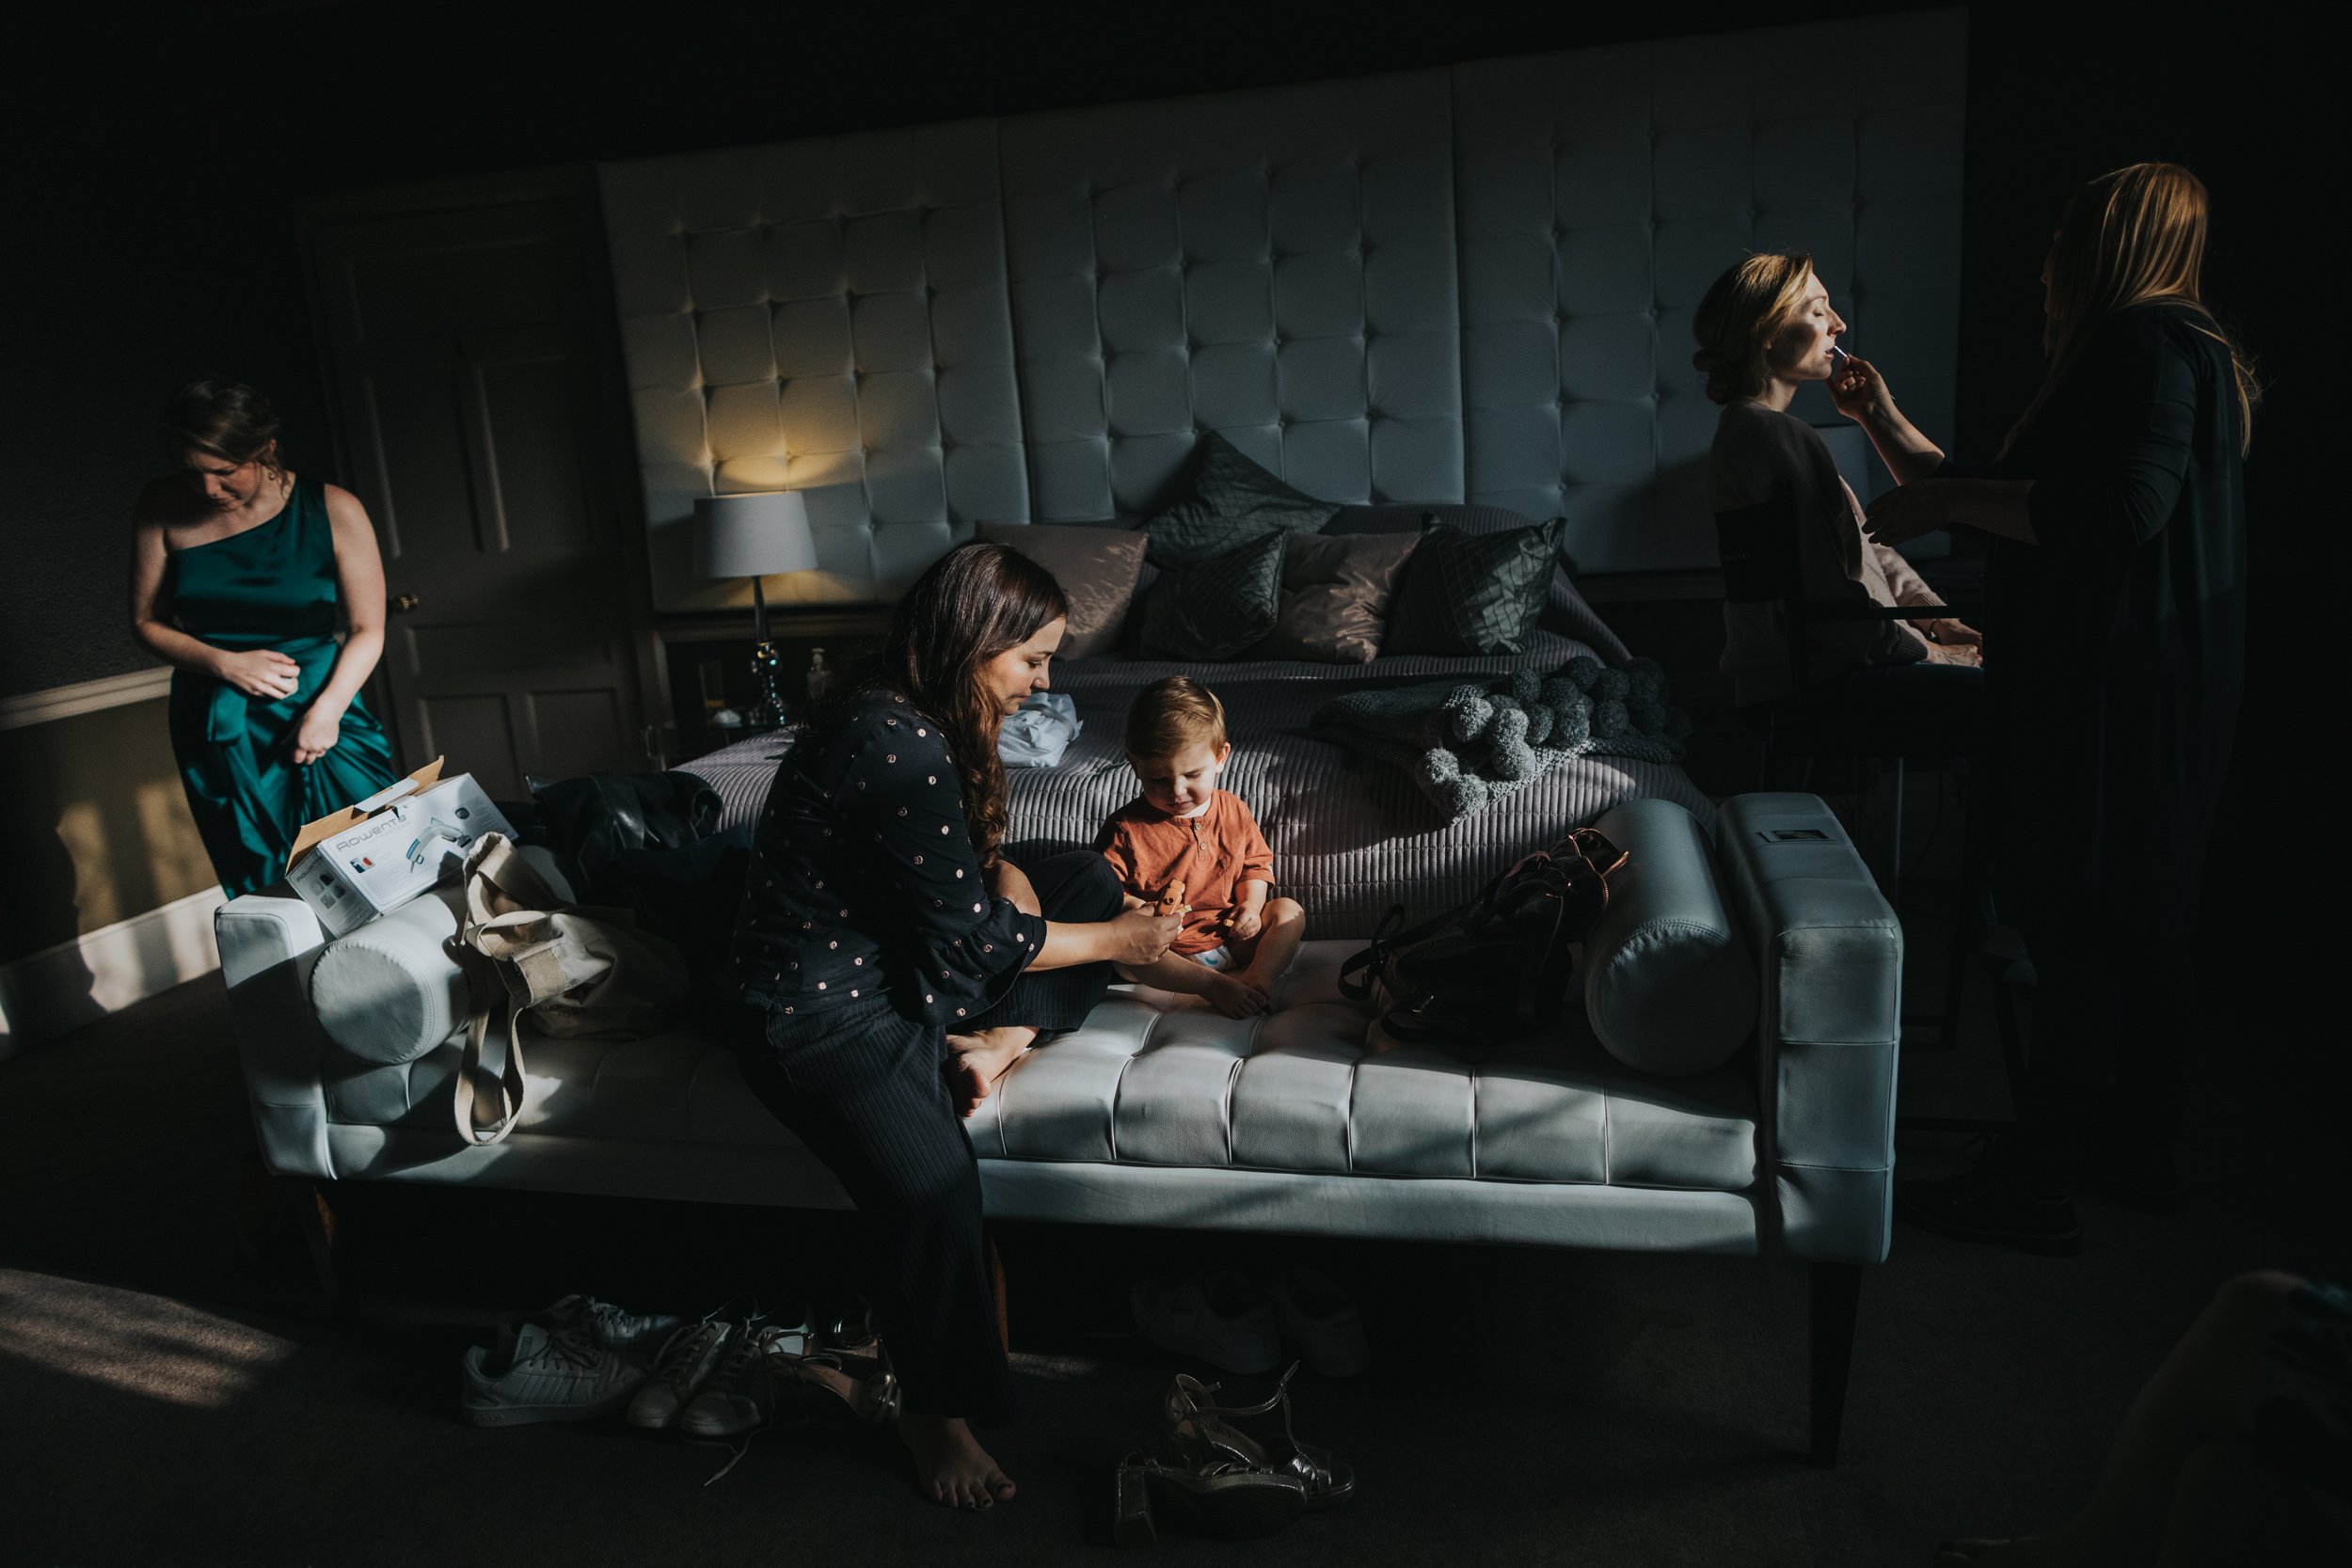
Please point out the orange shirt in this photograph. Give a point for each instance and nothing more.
(1212, 854)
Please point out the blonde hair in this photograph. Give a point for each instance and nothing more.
(1172, 714)
(2134, 236)
(1735, 323)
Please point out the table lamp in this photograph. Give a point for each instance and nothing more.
(754, 536)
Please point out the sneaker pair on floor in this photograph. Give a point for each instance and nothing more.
(712, 1378)
(579, 1359)
(1225, 1319)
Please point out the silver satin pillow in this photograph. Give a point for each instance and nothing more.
(1097, 568)
(1336, 590)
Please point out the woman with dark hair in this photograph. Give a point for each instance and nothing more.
(894, 963)
(2116, 585)
(241, 574)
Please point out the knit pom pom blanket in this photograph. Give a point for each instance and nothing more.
(1468, 745)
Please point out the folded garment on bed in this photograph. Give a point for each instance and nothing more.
(1468, 744)
(1039, 731)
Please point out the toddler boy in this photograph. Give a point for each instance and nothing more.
(1187, 840)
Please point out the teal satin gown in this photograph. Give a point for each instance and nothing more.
(269, 586)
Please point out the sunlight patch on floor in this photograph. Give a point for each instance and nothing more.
(149, 1346)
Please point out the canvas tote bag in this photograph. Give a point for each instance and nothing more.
(573, 971)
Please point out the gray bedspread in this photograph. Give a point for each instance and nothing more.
(1351, 835)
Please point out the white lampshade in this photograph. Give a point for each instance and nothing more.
(755, 535)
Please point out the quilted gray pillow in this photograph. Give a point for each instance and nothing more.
(1217, 606)
(1234, 500)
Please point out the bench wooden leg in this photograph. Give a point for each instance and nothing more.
(996, 1289)
(1835, 1293)
(316, 1219)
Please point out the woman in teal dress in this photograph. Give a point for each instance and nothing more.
(241, 574)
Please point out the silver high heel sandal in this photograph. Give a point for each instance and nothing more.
(1220, 1480)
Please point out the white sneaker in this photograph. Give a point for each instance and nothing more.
(740, 1395)
(631, 1333)
(542, 1371)
(1215, 1315)
(1322, 1321)
(679, 1372)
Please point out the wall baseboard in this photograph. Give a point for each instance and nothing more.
(59, 989)
(64, 702)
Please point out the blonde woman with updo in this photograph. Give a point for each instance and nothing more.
(1765, 328)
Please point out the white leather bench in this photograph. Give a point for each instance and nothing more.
(1160, 1113)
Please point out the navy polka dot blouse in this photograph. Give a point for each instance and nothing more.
(864, 884)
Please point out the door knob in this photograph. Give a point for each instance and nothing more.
(404, 602)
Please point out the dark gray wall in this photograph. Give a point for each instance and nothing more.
(159, 166)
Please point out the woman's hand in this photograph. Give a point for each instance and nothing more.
(1860, 393)
(1909, 513)
(1957, 633)
(259, 672)
(320, 727)
(1955, 653)
(1140, 936)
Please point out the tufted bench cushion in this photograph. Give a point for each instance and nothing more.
(1155, 1079)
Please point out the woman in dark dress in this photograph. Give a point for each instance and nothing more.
(894, 963)
(2115, 642)
(264, 592)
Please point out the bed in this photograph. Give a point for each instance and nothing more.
(1351, 835)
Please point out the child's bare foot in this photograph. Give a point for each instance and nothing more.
(1229, 996)
(1260, 983)
(982, 1058)
(950, 1465)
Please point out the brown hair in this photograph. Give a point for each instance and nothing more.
(1742, 310)
(2133, 236)
(973, 603)
(221, 419)
(1170, 715)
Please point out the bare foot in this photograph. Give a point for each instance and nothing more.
(1232, 998)
(1261, 984)
(950, 1465)
(982, 1058)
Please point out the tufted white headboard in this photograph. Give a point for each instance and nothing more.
(1444, 285)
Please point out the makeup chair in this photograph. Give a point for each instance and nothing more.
(1758, 547)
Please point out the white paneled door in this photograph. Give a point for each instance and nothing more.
(466, 365)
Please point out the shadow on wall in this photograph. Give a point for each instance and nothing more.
(108, 887)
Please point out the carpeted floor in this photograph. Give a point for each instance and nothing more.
(167, 1399)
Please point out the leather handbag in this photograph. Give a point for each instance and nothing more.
(573, 971)
(1497, 967)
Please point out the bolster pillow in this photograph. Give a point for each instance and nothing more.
(1669, 985)
(388, 991)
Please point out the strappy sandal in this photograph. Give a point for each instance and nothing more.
(873, 1400)
(1220, 1480)
(1204, 1435)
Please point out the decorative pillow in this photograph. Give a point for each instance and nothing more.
(1097, 568)
(1335, 596)
(1233, 498)
(1670, 986)
(1473, 594)
(1218, 607)
(1564, 611)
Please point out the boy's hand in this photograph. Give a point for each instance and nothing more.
(1244, 921)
